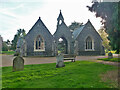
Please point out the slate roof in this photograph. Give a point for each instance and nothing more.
(77, 31)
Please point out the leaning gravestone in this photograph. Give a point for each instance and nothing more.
(18, 64)
(110, 55)
(60, 61)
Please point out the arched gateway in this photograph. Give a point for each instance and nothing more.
(63, 32)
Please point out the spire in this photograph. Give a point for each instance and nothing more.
(60, 17)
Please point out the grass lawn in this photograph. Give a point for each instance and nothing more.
(79, 74)
(8, 52)
(112, 59)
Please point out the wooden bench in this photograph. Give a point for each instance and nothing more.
(69, 57)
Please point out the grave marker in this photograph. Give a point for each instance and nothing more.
(18, 64)
(60, 61)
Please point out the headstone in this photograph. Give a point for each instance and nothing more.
(0, 43)
(60, 61)
(1, 62)
(110, 55)
(18, 64)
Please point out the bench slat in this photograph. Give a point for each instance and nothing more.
(69, 57)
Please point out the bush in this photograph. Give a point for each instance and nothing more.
(112, 59)
(8, 52)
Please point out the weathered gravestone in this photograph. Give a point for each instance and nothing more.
(0, 43)
(0, 63)
(110, 55)
(60, 61)
(18, 64)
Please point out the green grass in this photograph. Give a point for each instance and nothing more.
(8, 52)
(79, 74)
(112, 59)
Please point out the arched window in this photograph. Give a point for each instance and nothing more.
(89, 43)
(39, 44)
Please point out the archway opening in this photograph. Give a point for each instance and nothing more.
(62, 46)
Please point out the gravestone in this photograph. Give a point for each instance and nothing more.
(60, 61)
(110, 55)
(0, 43)
(1, 62)
(18, 64)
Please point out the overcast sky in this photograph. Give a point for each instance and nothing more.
(16, 14)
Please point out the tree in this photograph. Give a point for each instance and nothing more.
(74, 25)
(4, 46)
(104, 36)
(109, 12)
(20, 33)
(8, 42)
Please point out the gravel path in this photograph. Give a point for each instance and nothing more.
(7, 60)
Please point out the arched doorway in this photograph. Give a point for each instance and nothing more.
(62, 45)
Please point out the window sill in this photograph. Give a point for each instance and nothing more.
(39, 50)
(89, 50)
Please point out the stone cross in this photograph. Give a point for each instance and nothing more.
(18, 64)
(60, 61)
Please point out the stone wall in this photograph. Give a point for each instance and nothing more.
(39, 29)
(89, 30)
(64, 32)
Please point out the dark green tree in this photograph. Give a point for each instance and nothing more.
(109, 12)
(4, 46)
(74, 25)
(20, 33)
(8, 42)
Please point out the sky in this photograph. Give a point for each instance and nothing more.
(16, 14)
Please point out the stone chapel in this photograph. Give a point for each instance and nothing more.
(85, 40)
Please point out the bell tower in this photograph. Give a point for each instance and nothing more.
(60, 19)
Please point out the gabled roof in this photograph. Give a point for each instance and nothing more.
(77, 31)
(40, 22)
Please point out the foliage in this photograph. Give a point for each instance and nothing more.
(109, 12)
(104, 36)
(61, 47)
(107, 51)
(4, 46)
(8, 52)
(20, 33)
(80, 74)
(8, 42)
(112, 59)
(74, 25)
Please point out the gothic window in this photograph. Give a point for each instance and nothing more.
(88, 44)
(39, 44)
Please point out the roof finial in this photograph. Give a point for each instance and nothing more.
(39, 17)
(60, 10)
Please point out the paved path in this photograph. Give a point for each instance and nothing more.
(7, 60)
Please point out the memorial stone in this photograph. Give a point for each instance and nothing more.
(18, 64)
